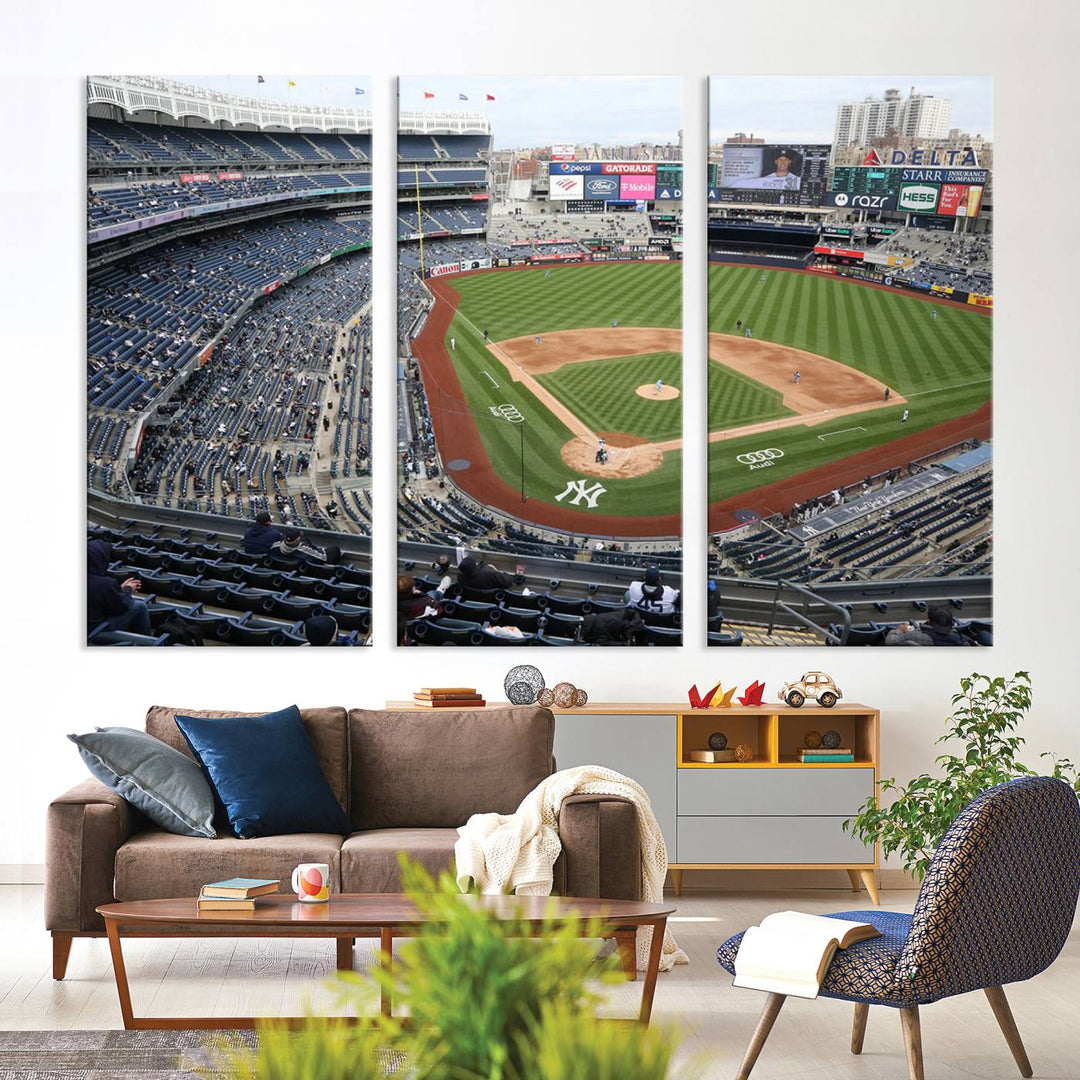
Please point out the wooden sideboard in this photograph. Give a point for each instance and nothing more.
(773, 812)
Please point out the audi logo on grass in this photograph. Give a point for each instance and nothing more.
(760, 459)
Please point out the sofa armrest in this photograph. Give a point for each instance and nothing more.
(601, 848)
(84, 828)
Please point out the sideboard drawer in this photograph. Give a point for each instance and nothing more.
(774, 792)
(759, 841)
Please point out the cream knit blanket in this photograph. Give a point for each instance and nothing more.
(517, 852)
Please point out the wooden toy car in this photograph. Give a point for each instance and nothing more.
(814, 684)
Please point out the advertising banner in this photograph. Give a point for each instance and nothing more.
(959, 200)
(562, 152)
(573, 168)
(443, 269)
(601, 188)
(942, 290)
(476, 264)
(567, 187)
(195, 178)
(946, 176)
(979, 300)
(637, 187)
(583, 206)
(669, 194)
(851, 200)
(480, 196)
(268, 289)
(230, 176)
(839, 253)
(629, 168)
(918, 198)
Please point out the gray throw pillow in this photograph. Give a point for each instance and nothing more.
(167, 786)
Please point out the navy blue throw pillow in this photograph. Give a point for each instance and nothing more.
(266, 774)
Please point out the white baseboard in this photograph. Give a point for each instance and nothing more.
(22, 873)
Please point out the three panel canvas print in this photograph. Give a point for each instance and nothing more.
(539, 389)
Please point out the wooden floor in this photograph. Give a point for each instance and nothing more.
(811, 1038)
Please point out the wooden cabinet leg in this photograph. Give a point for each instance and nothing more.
(626, 940)
(858, 1028)
(853, 877)
(867, 878)
(1000, 1004)
(773, 1004)
(676, 881)
(345, 953)
(909, 1020)
(61, 950)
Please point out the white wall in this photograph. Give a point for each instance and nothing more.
(54, 685)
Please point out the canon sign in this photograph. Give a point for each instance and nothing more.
(918, 198)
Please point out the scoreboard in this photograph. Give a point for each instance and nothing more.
(793, 174)
(860, 180)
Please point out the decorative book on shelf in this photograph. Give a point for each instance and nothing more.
(448, 697)
(790, 952)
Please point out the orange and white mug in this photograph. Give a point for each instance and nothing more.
(311, 882)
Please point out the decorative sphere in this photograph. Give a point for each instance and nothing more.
(717, 741)
(830, 740)
(522, 684)
(744, 753)
(812, 740)
(564, 694)
(545, 698)
(580, 698)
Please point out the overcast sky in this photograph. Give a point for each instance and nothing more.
(532, 110)
(803, 108)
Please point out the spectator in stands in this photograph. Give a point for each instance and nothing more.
(652, 594)
(109, 601)
(908, 634)
(941, 627)
(475, 573)
(414, 603)
(293, 546)
(261, 537)
(321, 630)
(611, 627)
(712, 602)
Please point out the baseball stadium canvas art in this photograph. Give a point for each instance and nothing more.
(850, 467)
(540, 375)
(228, 360)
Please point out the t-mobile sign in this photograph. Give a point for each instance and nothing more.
(637, 187)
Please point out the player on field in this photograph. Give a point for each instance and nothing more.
(659, 386)
(485, 334)
(547, 274)
(933, 313)
(614, 322)
(798, 377)
(453, 344)
(903, 419)
(748, 334)
(762, 277)
(537, 339)
(887, 393)
(738, 325)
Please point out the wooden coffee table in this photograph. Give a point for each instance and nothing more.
(349, 916)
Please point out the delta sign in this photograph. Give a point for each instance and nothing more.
(965, 158)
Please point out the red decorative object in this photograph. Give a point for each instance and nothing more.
(699, 701)
(753, 694)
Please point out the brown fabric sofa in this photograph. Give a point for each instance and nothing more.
(406, 780)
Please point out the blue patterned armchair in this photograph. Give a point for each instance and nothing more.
(995, 907)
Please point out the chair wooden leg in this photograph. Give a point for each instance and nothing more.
(858, 1028)
(1000, 1004)
(867, 878)
(768, 1016)
(61, 950)
(853, 877)
(909, 1020)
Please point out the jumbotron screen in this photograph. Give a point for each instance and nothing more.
(792, 174)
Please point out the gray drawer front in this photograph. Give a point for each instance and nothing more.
(641, 747)
(774, 792)
(767, 840)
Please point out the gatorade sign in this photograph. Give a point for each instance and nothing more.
(918, 198)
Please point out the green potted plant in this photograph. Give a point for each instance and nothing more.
(986, 713)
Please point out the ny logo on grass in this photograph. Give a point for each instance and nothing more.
(579, 491)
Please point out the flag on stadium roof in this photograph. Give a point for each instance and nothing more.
(490, 97)
(463, 97)
(260, 78)
(291, 83)
(428, 94)
(357, 90)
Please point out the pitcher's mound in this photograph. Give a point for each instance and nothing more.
(628, 455)
(649, 390)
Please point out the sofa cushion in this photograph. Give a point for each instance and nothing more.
(265, 771)
(369, 859)
(435, 769)
(167, 786)
(158, 865)
(326, 728)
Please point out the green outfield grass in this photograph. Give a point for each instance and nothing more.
(603, 393)
(736, 399)
(522, 302)
(942, 365)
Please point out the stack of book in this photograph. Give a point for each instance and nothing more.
(820, 755)
(448, 697)
(712, 757)
(235, 894)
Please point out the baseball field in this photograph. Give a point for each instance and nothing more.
(534, 367)
(776, 439)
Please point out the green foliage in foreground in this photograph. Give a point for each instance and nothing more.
(489, 1000)
(986, 713)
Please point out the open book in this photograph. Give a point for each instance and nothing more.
(790, 951)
